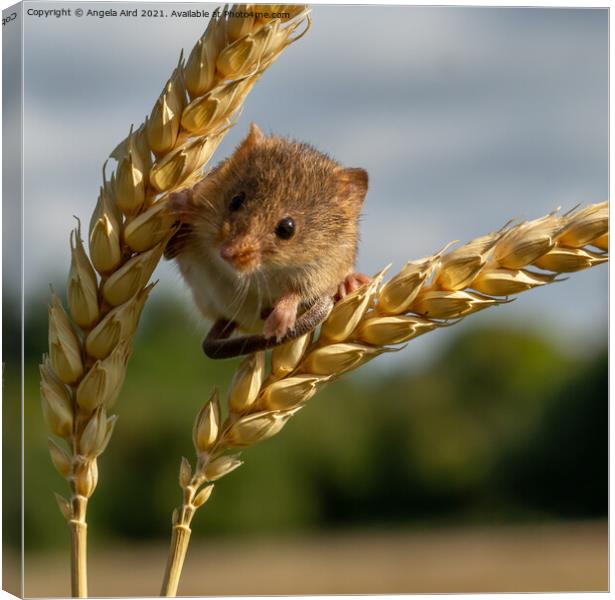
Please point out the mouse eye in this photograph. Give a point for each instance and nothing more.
(285, 229)
(237, 202)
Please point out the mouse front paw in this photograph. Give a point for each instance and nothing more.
(350, 284)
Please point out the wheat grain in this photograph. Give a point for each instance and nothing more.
(82, 376)
(432, 292)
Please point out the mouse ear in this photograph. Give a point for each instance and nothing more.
(255, 136)
(353, 183)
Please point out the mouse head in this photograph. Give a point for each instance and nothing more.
(276, 205)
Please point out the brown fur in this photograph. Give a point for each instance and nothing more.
(280, 178)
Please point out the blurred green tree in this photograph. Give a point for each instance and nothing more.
(499, 425)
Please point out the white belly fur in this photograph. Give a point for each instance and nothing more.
(218, 291)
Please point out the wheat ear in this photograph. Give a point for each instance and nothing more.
(428, 293)
(82, 375)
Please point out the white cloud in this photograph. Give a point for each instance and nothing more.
(464, 117)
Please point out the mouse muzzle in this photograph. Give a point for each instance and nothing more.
(243, 255)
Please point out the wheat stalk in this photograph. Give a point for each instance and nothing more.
(82, 375)
(426, 294)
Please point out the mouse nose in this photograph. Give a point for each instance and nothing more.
(241, 256)
(227, 252)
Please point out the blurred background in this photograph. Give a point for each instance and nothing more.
(474, 460)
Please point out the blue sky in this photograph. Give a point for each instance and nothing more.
(463, 117)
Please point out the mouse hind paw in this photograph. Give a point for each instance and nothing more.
(279, 323)
(282, 318)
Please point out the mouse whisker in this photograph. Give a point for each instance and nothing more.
(259, 302)
(240, 291)
(270, 298)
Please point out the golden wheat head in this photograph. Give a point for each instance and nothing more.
(432, 292)
(89, 346)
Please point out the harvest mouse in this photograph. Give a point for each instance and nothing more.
(271, 230)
